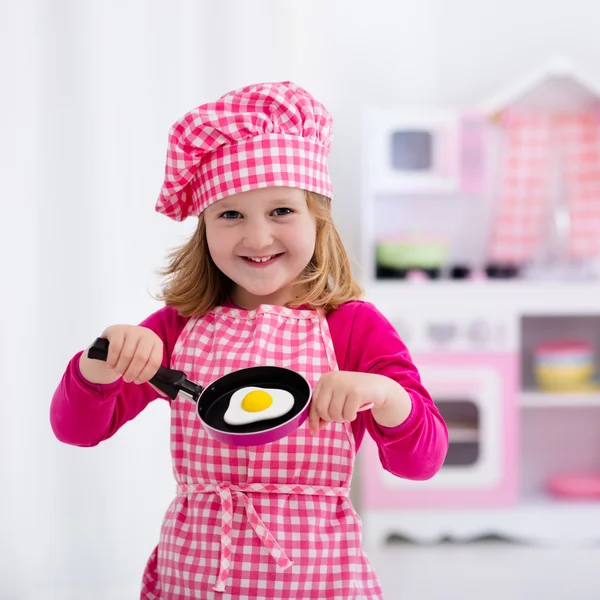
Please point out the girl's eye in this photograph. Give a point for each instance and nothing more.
(230, 214)
(280, 212)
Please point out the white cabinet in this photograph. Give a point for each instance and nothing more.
(507, 438)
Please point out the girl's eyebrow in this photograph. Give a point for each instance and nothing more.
(283, 201)
(233, 205)
(225, 205)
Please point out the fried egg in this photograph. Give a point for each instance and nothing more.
(251, 404)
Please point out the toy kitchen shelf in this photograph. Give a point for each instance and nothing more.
(429, 197)
(472, 344)
(536, 399)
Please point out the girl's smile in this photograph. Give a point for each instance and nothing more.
(261, 262)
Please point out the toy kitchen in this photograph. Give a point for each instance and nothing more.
(481, 242)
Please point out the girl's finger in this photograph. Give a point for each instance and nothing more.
(114, 348)
(140, 359)
(127, 353)
(151, 367)
(319, 408)
(350, 410)
(335, 412)
(313, 417)
(354, 406)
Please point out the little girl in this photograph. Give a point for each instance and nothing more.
(265, 280)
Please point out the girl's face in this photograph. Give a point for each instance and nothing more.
(262, 240)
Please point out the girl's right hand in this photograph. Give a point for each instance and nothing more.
(134, 353)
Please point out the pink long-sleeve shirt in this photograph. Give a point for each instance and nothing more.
(84, 413)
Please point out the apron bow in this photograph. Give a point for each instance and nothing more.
(226, 491)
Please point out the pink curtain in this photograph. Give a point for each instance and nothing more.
(527, 178)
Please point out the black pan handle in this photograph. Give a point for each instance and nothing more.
(169, 381)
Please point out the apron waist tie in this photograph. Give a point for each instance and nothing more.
(226, 491)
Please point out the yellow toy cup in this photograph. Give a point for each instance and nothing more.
(564, 365)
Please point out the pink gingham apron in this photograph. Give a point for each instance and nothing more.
(272, 521)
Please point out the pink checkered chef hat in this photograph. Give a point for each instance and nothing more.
(263, 135)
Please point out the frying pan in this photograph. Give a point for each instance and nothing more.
(213, 401)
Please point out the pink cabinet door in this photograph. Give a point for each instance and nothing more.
(477, 395)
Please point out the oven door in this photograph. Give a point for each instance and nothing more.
(476, 395)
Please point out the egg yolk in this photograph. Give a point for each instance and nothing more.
(256, 401)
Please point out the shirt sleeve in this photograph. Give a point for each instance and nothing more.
(365, 341)
(84, 413)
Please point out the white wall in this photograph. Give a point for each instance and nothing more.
(89, 92)
(451, 53)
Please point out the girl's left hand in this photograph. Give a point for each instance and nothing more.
(339, 395)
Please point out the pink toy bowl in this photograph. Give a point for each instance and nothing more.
(575, 486)
(563, 350)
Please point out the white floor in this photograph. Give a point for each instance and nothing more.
(487, 570)
(471, 571)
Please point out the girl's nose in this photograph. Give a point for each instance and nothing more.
(257, 234)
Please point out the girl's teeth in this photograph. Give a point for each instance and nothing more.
(260, 260)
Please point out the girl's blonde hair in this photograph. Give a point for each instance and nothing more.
(194, 284)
